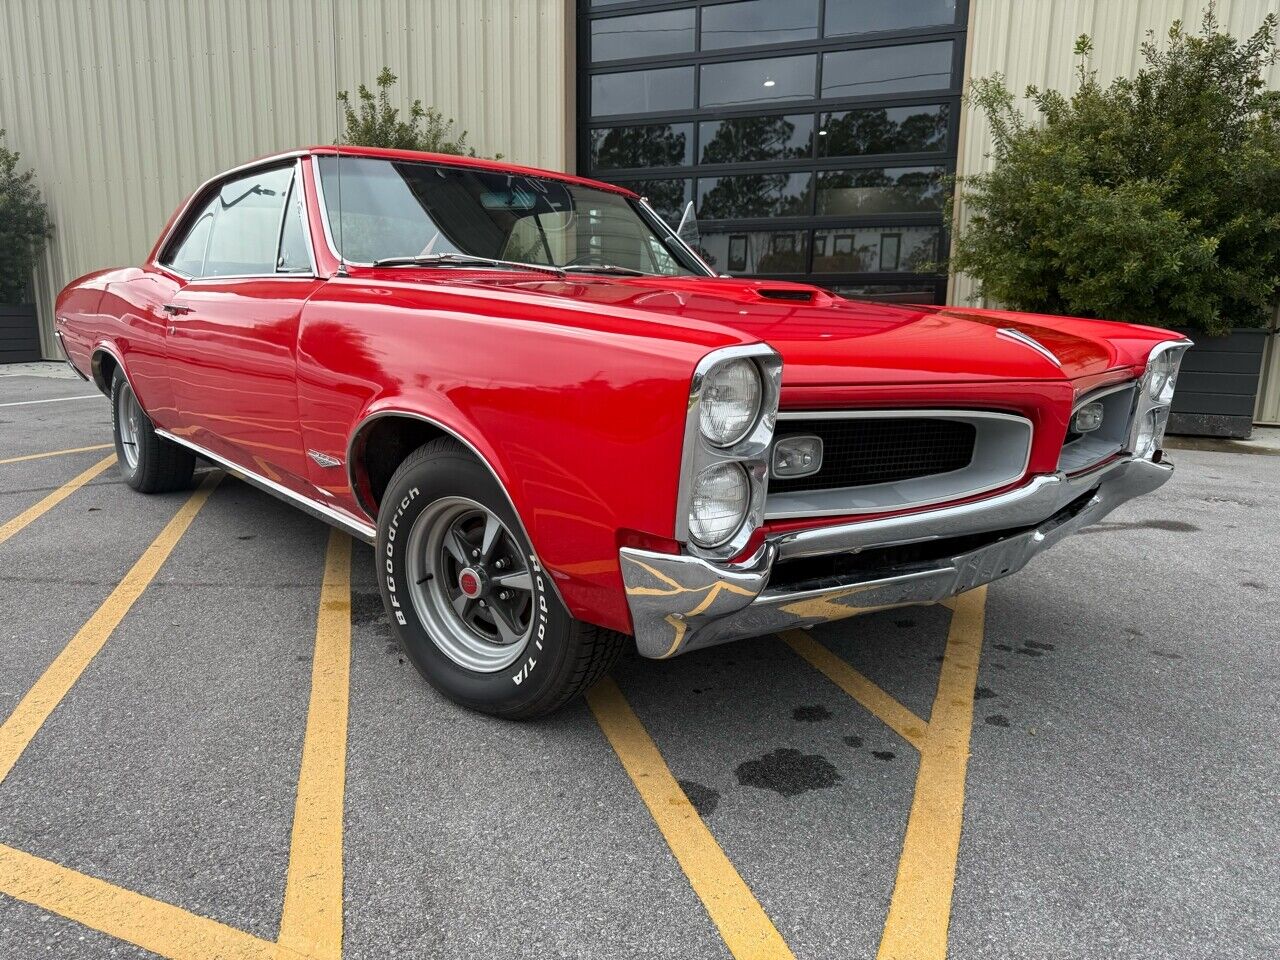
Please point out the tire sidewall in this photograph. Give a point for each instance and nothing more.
(536, 672)
(132, 475)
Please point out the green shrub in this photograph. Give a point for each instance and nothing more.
(1153, 200)
(374, 122)
(24, 226)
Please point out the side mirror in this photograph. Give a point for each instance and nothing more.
(688, 229)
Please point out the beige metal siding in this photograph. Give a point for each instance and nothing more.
(1030, 42)
(123, 106)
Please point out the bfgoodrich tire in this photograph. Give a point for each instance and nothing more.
(149, 462)
(464, 591)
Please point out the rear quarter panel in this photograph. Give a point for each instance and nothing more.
(580, 416)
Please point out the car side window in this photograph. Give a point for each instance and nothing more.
(188, 256)
(293, 257)
(246, 224)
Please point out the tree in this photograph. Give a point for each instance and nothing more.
(1153, 200)
(24, 226)
(374, 122)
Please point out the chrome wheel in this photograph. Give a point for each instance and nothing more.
(128, 423)
(470, 584)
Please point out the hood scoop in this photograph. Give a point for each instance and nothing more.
(784, 293)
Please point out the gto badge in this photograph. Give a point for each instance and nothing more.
(323, 459)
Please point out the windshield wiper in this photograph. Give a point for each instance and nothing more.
(604, 268)
(463, 260)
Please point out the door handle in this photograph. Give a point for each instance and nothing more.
(176, 308)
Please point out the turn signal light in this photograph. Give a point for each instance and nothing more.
(797, 457)
(1087, 419)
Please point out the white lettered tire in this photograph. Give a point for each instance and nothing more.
(465, 593)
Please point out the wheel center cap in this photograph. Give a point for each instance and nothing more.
(469, 582)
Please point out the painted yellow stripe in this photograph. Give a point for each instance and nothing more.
(41, 700)
(746, 929)
(58, 453)
(920, 911)
(312, 919)
(53, 499)
(159, 927)
(882, 706)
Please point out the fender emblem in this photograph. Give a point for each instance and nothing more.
(323, 459)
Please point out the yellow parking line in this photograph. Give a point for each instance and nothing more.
(41, 700)
(920, 911)
(744, 926)
(53, 499)
(884, 707)
(311, 922)
(57, 453)
(150, 924)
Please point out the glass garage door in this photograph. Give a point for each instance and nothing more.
(814, 136)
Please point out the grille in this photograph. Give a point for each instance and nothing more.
(861, 452)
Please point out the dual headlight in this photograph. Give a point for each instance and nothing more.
(735, 396)
(1156, 396)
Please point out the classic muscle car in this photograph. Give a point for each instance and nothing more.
(561, 429)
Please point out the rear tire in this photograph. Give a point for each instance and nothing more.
(467, 597)
(148, 462)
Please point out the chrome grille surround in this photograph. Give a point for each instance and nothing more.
(1001, 452)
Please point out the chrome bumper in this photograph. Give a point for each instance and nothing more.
(682, 603)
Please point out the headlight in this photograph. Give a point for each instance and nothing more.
(730, 402)
(721, 498)
(1162, 372)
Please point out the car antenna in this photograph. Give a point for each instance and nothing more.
(337, 143)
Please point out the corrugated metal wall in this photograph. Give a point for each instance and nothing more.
(124, 106)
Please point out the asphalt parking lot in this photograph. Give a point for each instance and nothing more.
(212, 747)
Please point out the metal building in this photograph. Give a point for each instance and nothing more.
(814, 136)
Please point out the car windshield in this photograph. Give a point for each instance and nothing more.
(396, 210)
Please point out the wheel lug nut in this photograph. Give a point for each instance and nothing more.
(483, 604)
(504, 595)
(475, 553)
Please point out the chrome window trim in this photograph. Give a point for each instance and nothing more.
(809, 503)
(352, 525)
(751, 452)
(186, 206)
(276, 274)
(643, 202)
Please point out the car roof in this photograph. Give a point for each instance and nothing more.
(478, 163)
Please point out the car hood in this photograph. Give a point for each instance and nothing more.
(828, 340)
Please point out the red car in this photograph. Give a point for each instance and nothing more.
(561, 429)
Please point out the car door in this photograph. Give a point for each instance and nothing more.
(233, 326)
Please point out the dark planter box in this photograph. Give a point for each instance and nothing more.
(1218, 384)
(19, 333)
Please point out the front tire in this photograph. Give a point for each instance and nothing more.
(467, 597)
(149, 462)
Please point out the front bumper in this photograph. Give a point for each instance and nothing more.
(681, 603)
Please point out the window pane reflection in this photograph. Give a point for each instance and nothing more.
(644, 35)
(667, 197)
(642, 91)
(875, 249)
(754, 195)
(748, 139)
(757, 251)
(878, 70)
(650, 145)
(874, 190)
(758, 21)
(758, 81)
(868, 16)
(853, 133)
